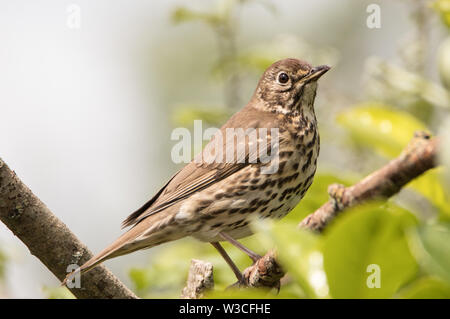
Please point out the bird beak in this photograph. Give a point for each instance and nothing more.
(316, 73)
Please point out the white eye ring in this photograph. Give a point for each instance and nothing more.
(282, 78)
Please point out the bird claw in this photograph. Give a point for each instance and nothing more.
(255, 258)
(238, 284)
(277, 286)
(336, 192)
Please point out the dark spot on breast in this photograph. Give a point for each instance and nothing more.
(236, 223)
(218, 212)
(308, 181)
(244, 210)
(282, 165)
(199, 209)
(219, 195)
(233, 210)
(263, 202)
(299, 186)
(285, 154)
(308, 161)
(207, 217)
(265, 184)
(276, 208)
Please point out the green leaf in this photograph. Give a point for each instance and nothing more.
(57, 293)
(443, 8)
(182, 14)
(241, 294)
(427, 288)
(385, 130)
(429, 185)
(361, 238)
(431, 247)
(3, 261)
(184, 115)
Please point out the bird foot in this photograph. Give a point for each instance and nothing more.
(238, 284)
(336, 193)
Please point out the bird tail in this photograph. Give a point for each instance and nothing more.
(154, 230)
(116, 249)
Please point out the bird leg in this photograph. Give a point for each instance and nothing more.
(254, 256)
(230, 262)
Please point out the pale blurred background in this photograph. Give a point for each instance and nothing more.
(86, 113)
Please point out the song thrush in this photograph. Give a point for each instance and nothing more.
(217, 200)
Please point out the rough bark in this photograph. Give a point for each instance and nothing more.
(200, 280)
(50, 240)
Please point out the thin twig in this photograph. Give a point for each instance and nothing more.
(418, 157)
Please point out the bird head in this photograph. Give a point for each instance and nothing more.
(288, 85)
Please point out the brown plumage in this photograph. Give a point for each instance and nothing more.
(213, 199)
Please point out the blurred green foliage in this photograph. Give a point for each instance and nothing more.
(426, 288)
(443, 7)
(431, 246)
(372, 234)
(430, 186)
(57, 293)
(186, 114)
(379, 127)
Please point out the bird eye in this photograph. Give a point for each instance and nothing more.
(283, 78)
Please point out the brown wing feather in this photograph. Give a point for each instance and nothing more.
(130, 220)
(198, 175)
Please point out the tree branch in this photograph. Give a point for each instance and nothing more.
(200, 280)
(50, 240)
(418, 157)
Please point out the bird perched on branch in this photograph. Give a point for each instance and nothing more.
(258, 165)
